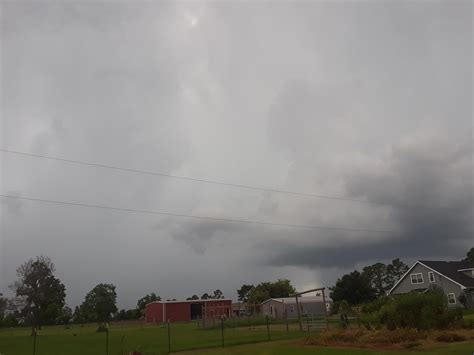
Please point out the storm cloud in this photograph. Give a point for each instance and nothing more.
(363, 100)
(426, 185)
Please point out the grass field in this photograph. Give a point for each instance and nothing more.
(150, 339)
(185, 337)
(293, 348)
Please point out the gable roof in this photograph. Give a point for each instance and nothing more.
(448, 269)
(451, 269)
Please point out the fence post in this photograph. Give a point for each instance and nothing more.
(268, 328)
(121, 344)
(299, 313)
(34, 341)
(107, 339)
(307, 325)
(222, 331)
(169, 337)
(325, 311)
(286, 321)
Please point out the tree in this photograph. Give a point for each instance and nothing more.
(217, 295)
(470, 256)
(79, 316)
(3, 306)
(142, 302)
(377, 275)
(128, 314)
(65, 316)
(265, 290)
(99, 304)
(395, 271)
(10, 320)
(355, 288)
(121, 315)
(41, 293)
(281, 288)
(244, 292)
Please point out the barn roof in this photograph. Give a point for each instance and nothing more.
(194, 301)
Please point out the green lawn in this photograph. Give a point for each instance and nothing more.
(292, 348)
(150, 339)
(468, 314)
(153, 340)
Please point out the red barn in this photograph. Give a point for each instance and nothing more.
(174, 311)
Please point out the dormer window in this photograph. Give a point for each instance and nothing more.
(468, 272)
(416, 278)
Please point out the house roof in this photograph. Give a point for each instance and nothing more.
(451, 269)
(291, 300)
(194, 301)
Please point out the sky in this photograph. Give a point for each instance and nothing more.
(365, 100)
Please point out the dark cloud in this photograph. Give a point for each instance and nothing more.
(429, 184)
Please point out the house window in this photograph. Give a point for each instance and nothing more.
(431, 276)
(416, 278)
(451, 298)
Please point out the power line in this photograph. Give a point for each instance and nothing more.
(230, 220)
(241, 186)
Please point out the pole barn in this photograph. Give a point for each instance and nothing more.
(174, 311)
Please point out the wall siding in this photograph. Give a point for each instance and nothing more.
(406, 286)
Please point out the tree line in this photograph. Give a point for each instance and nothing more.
(40, 300)
(251, 294)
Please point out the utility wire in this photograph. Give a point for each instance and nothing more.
(230, 220)
(241, 186)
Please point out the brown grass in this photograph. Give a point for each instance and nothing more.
(387, 339)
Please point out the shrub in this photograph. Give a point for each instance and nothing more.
(450, 337)
(411, 345)
(413, 310)
(462, 298)
(375, 306)
(10, 321)
(361, 336)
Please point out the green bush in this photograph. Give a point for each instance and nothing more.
(413, 310)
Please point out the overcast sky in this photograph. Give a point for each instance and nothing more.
(366, 100)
